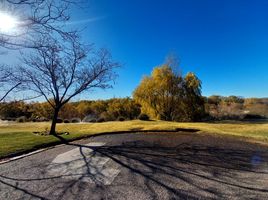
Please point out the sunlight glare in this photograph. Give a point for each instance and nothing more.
(7, 23)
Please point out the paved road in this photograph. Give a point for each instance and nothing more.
(141, 166)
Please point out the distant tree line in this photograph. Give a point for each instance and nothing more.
(216, 108)
(87, 111)
(236, 108)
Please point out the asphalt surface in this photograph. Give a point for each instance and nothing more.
(141, 166)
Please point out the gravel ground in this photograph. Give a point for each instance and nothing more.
(141, 166)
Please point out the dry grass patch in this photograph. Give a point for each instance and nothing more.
(19, 137)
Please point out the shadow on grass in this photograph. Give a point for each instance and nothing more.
(186, 171)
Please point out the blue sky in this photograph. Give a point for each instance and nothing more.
(224, 42)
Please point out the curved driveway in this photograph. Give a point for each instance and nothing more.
(141, 166)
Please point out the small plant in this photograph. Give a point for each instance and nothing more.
(42, 133)
(93, 121)
(120, 118)
(143, 117)
(46, 132)
(43, 119)
(101, 119)
(59, 120)
(89, 118)
(253, 117)
(107, 116)
(76, 120)
(21, 119)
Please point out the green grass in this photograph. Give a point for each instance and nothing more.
(18, 137)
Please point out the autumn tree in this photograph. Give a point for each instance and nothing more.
(62, 70)
(123, 107)
(234, 99)
(220, 107)
(68, 111)
(214, 99)
(167, 95)
(14, 109)
(41, 111)
(193, 108)
(83, 108)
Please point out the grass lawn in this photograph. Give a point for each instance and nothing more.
(18, 137)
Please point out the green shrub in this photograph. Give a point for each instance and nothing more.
(143, 117)
(107, 116)
(253, 117)
(21, 119)
(120, 119)
(101, 119)
(59, 120)
(66, 121)
(11, 119)
(43, 119)
(90, 118)
(76, 120)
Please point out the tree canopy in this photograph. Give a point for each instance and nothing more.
(167, 95)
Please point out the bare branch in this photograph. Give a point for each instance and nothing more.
(6, 81)
(5, 95)
(63, 69)
(38, 19)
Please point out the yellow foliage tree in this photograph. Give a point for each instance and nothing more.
(169, 96)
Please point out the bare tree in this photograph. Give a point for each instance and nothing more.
(5, 77)
(36, 19)
(60, 71)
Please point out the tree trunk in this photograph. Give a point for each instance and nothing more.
(54, 122)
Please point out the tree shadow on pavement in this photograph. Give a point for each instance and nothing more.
(186, 171)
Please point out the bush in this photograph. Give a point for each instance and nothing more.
(21, 119)
(11, 119)
(107, 116)
(76, 120)
(143, 117)
(93, 121)
(59, 120)
(101, 119)
(42, 119)
(66, 121)
(121, 119)
(253, 117)
(90, 118)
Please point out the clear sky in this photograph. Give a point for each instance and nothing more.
(225, 42)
